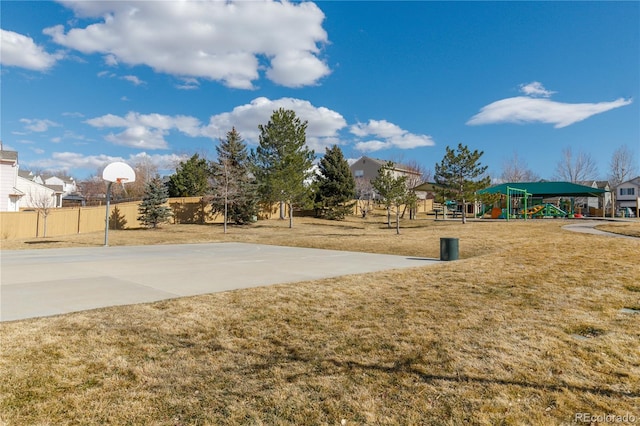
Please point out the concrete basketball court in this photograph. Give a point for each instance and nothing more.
(44, 282)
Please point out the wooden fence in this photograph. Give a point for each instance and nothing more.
(79, 220)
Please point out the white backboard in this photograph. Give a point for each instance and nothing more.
(119, 172)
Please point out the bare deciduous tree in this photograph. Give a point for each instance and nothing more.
(146, 171)
(413, 180)
(42, 203)
(580, 167)
(364, 195)
(93, 188)
(515, 169)
(622, 166)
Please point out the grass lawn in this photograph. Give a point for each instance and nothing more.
(533, 325)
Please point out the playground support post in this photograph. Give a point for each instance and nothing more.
(510, 190)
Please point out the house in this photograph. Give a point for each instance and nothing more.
(627, 197)
(589, 205)
(36, 195)
(9, 193)
(22, 190)
(366, 169)
(66, 184)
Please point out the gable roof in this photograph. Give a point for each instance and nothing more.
(546, 189)
(9, 155)
(428, 187)
(634, 181)
(396, 166)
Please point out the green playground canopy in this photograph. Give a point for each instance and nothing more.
(546, 189)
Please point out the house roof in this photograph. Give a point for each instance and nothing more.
(634, 181)
(396, 166)
(56, 188)
(428, 187)
(8, 155)
(546, 189)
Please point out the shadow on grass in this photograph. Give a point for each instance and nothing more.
(43, 242)
(408, 365)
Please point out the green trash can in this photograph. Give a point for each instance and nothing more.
(448, 249)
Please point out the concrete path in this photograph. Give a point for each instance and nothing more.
(45, 282)
(588, 227)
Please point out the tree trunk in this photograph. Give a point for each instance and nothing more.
(226, 211)
(388, 217)
(398, 220)
(290, 215)
(281, 210)
(464, 211)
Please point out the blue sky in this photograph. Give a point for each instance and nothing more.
(86, 83)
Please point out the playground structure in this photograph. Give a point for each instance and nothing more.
(529, 200)
(537, 211)
(520, 204)
(543, 199)
(545, 210)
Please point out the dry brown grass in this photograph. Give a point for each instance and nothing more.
(628, 228)
(527, 329)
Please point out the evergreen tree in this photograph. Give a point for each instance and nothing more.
(282, 161)
(191, 178)
(336, 185)
(392, 189)
(117, 220)
(234, 190)
(152, 209)
(460, 175)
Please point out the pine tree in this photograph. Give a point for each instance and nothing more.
(117, 219)
(392, 189)
(336, 185)
(152, 209)
(234, 190)
(282, 161)
(191, 178)
(460, 175)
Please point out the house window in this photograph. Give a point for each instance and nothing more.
(627, 191)
(358, 173)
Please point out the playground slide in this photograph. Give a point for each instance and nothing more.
(487, 209)
(534, 210)
(545, 210)
(551, 210)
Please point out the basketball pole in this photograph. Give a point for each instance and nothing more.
(106, 219)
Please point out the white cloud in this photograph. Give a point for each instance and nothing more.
(387, 135)
(188, 84)
(133, 79)
(149, 131)
(37, 125)
(21, 51)
(535, 88)
(218, 40)
(77, 161)
(322, 129)
(73, 114)
(371, 146)
(524, 109)
(145, 131)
